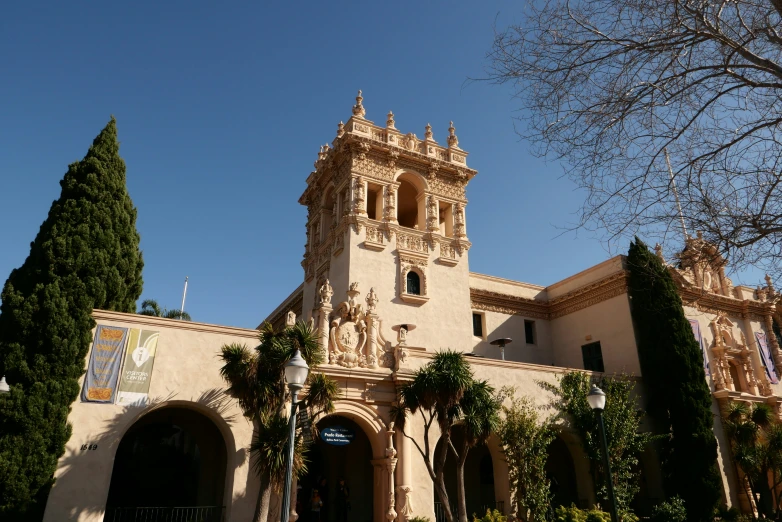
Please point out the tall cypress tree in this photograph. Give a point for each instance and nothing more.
(679, 399)
(86, 255)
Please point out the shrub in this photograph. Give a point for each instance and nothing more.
(490, 516)
(420, 519)
(573, 514)
(670, 511)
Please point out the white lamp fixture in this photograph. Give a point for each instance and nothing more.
(596, 398)
(4, 388)
(296, 371)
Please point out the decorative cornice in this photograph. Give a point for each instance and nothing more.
(176, 324)
(586, 296)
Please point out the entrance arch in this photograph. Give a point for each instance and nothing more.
(172, 457)
(329, 462)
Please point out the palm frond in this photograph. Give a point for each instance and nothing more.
(177, 314)
(321, 394)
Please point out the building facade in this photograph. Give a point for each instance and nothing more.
(386, 283)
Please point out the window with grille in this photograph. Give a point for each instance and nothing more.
(413, 283)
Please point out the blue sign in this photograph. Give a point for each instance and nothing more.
(337, 435)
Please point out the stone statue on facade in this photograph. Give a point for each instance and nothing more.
(325, 293)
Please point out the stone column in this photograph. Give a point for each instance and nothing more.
(372, 320)
(404, 477)
(389, 207)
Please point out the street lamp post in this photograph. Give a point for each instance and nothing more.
(296, 371)
(597, 401)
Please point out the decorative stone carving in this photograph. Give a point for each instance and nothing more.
(358, 108)
(413, 243)
(728, 351)
(458, 221)
(392, 157)
(405, 511)
(389, 209)
(432, 215)
(428, 134)
(432, 173)
(390, 120)
(290, 318)
(340, 130)
(410, 141)
(325, 293)
(372, 300)
(453, 141)
(359, 199)
(354, 336)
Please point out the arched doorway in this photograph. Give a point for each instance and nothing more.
(170, 463)
(328, 460)
(478, 480)
(562, 474)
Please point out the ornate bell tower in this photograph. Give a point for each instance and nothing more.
(386, 225)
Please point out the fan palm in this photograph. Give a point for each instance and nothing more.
(150, 307)
(255, 378)
(755, 435)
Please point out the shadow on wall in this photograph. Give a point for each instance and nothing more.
(86, 463)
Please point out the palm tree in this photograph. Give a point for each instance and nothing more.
(444, 391)
(479, 419)
(150, 307)
(256, 379)
(755, 434)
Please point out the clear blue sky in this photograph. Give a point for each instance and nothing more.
(221, 109)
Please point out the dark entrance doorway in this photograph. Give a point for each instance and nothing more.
(329, 462)
(478, 481)
(170, 465)
(562, 474)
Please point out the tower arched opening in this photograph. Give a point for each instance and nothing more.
(561, 472)
(407, 210)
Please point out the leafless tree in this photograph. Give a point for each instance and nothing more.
(612, 88)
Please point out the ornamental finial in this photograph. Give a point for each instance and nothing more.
(453, 141)
(340, 129)
(428, 134)
(358, 108)
(390, 120)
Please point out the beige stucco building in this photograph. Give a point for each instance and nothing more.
(386, 282)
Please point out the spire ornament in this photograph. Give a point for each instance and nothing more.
(358, 108)
(428, 134)
(453, 141)
(340, 129)
(390, 123)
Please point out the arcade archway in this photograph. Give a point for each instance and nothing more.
(172, 461)
(478, 480)
(329, 459)
(562, 474)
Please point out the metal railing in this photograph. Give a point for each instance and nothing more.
(166, 514)
(439, 512)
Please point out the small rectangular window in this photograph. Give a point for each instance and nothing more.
(529, 332)
(477, 325)
(593, 357)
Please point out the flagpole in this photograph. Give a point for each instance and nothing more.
(676, 193)
(184, 294)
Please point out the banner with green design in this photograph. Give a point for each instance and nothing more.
(137, 369)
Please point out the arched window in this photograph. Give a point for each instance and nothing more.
(413, 283)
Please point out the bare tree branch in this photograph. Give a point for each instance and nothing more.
(605, 86)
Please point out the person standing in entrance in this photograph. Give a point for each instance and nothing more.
(343, 500)
(315, 504)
